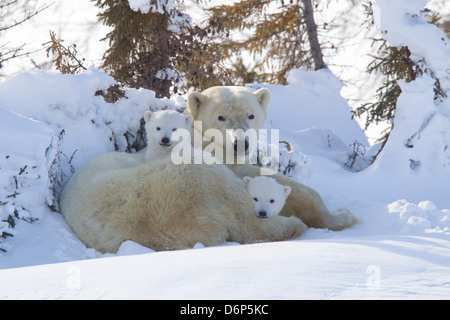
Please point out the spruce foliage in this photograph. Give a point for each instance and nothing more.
(393, 63)
(283, 37)
(67, 60)
(146, 52)
(142, 49)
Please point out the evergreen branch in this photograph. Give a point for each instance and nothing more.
(67, 60)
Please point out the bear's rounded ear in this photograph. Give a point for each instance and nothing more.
(263, 97)
(287, 190)
(147, 115)
(195, 100)
(189, 120)
(246, 180)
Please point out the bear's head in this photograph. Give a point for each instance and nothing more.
(267, 194)
(232, 111)
(160, 126)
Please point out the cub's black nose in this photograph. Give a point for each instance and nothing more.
(165, 140)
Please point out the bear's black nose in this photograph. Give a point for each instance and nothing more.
(235, 145)
(165, 140)
(262, 214)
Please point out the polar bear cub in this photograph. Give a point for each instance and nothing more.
(160, 126)
(268, 195)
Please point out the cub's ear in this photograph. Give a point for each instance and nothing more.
(263, 97)
(195, 101)
(246, 180)
(147, 115)
(287, 190)
(189, 120)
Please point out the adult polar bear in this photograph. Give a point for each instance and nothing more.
(118, 196)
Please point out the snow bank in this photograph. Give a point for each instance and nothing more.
(365, 268)
(419, 142)
(26, 158)
(402, 23)
(313, 99)
(416, 157)
(316, 121)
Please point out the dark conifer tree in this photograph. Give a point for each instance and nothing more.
(143, 46)
(282, 38)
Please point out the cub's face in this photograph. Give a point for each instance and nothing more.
(160, 126)
(267, 195)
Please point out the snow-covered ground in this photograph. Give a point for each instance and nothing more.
(328, 267)
(400, 248)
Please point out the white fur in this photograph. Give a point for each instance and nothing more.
(160, 126)
(268, 196)
(225, 108)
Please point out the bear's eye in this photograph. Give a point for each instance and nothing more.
(272, 201)
(221, 118)
(255, 199)
(174, 129)
(158, 128)
(251, 117)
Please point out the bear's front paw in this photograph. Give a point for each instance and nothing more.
(281, 228)
(296, 227)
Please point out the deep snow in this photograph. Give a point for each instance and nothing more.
(381, 267)
(400, 248)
